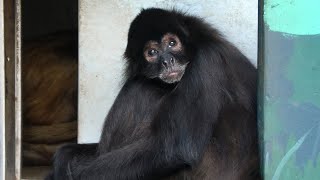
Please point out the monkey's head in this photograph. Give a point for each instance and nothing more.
(157, 46)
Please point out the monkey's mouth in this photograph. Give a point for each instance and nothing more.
(172, 76)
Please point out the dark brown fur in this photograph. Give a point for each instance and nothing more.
(49, 77)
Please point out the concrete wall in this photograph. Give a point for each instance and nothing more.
(103, 32)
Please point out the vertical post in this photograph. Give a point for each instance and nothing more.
(2, 96)
(18, 94)
(289, 109)
(12, 103)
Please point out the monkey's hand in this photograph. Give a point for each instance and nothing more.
(68, 156)
(62, 157)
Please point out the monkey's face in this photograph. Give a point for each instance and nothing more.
(165, 58)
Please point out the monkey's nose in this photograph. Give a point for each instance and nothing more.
(168, 62)
(165, 63)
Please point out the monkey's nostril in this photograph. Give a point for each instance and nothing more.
(165, 63)
(172, 60)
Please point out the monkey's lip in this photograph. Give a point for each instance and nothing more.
(172, 74)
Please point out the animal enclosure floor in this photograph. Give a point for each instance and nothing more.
(35, 172)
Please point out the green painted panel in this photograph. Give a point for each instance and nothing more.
(293, 16)
(290, 93)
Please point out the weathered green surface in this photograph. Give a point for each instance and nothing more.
(300, 17)
(290, 99)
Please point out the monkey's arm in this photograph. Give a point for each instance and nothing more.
(181, 129)
(76, 154)
(179, 133)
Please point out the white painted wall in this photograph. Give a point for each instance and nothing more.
(103, 34)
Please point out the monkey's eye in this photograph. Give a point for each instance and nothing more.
(152, 52)
(172, 43)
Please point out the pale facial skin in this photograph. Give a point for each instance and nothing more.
(168, 52)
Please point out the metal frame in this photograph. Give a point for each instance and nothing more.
(10, 89)
(2, 95)
(261, 90)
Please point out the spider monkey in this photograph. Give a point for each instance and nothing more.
(187, 109)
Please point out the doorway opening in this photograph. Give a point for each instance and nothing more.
(49, 81)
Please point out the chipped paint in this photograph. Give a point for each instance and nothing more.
(289, 108)
(298, 17)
